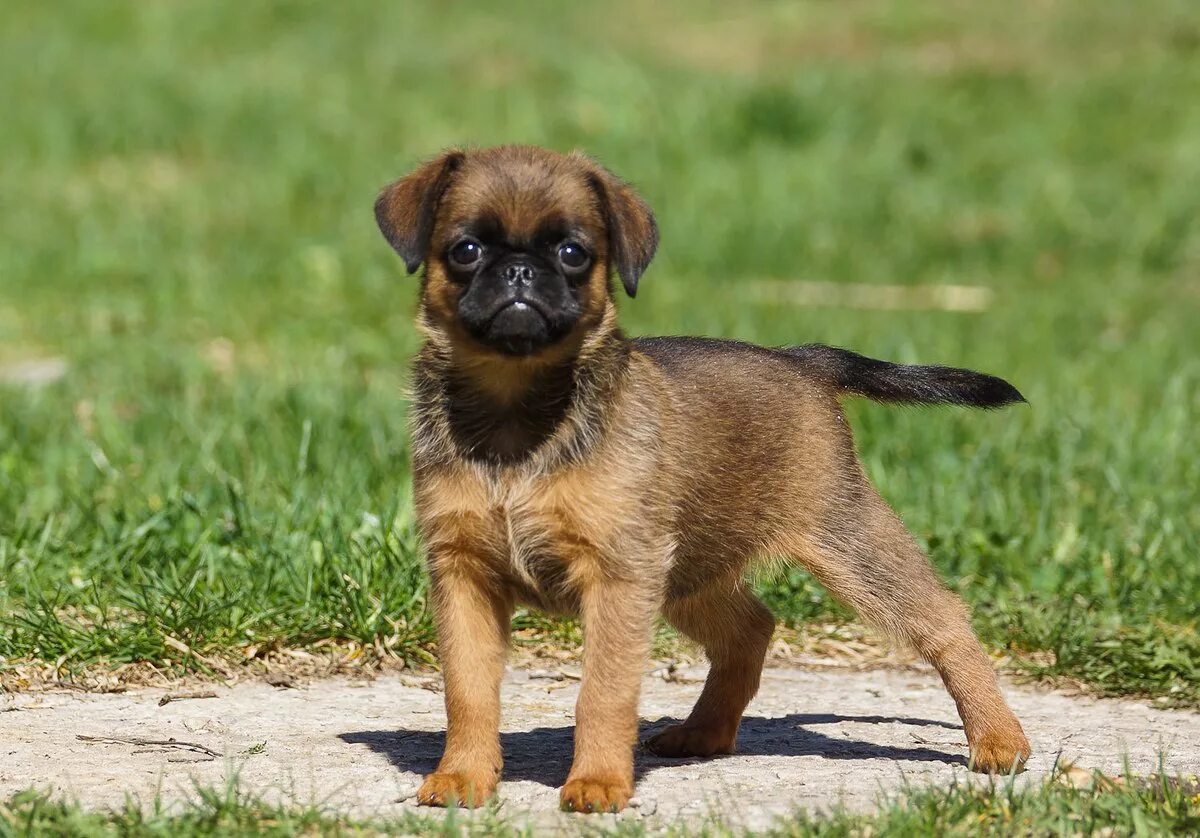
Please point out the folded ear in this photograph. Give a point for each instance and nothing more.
(632, 231)
(405, 210)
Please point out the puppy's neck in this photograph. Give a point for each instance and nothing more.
(507, 410)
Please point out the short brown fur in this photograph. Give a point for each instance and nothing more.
(620, 479)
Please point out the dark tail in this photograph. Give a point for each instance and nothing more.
(904, 383)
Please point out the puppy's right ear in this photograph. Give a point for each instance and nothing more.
(405, 210)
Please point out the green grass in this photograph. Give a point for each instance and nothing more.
(1151, 806)
(185, 203)
(1156, 806)
(227, 811)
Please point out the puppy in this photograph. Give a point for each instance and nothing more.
(558, 463)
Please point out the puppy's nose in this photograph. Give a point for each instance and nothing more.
(518, 274)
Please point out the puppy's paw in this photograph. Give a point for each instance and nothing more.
(685, 741)
(1000, 752)
(595, 794)
(456, 789)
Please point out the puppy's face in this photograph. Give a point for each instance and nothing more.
(518, 255)
(517, 244)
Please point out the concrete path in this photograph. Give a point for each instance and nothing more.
(810, 739)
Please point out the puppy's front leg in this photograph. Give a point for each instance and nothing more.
(473, 617)
(618, 618)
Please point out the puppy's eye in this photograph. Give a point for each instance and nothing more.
(572, 255)
(466, 253)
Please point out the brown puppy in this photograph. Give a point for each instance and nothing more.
(560, 464)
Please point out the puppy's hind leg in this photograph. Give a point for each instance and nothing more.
(734, 628)
(863, 554)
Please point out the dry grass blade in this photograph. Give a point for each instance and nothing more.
(169, 697)
(140, 742)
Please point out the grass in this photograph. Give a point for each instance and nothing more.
(215, 812)
(185, 199)
(1156, 806)
(1150, 806)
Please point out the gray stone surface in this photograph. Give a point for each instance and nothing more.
(812, 738)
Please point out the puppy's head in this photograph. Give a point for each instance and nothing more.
(518, 244)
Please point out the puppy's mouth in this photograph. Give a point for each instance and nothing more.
(519, 327)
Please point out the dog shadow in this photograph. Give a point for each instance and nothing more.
(543, 755)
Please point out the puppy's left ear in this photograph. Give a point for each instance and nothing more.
(632, 231)
(406, 210)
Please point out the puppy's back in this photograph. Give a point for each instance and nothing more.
(761, 442)
(841, 370)
(739, 385)
(757, 442)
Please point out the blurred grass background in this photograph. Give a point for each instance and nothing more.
(185, 200)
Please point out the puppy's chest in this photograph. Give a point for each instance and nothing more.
(542, 535)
